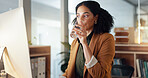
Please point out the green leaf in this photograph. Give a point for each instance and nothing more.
(67, 45)
(67, 53)
(65, 60)
(64, 67)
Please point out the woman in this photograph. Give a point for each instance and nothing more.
(93, 51)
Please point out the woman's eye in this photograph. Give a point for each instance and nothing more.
(78, 16)
(85, 15)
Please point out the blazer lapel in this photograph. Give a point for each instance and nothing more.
(74, 54)
(75, 50)
(93, 42)
(92, 47)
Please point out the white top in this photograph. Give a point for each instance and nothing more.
(92, 62)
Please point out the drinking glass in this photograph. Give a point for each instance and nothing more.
(73, 33)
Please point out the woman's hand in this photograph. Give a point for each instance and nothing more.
(81, 32)
(82, 35)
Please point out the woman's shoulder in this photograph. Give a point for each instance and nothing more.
(105, 36)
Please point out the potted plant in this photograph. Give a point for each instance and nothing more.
(64, 61)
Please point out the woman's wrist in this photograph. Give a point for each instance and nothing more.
(87, 52)
(84, 44)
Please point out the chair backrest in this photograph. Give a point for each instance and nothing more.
(122, 71)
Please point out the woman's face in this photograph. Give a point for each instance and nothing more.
(85, 16)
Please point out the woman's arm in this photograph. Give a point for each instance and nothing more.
(87, 53)
(104, 57)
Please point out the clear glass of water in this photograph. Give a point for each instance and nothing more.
(73, 33)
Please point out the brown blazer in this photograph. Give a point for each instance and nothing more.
(103, 48)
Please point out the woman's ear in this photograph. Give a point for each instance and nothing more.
(96, 17)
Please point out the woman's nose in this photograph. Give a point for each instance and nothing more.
(79, 22)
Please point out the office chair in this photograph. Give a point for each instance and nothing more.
(122, 71)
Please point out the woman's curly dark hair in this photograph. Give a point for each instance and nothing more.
(105, 21)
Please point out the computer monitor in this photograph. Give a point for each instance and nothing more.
(13, 36)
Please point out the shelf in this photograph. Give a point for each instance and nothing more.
(144, 27)
(39, 54)
(39, 51)
(132, 47)
(141, 45)
(131, 52)
(37, 46)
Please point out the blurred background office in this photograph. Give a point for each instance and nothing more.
(49, 21)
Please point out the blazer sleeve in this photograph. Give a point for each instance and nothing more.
(105, 55)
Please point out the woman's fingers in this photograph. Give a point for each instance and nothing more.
(79, 27)
(80, 30)
(81, 33)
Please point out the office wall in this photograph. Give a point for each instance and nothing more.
(122, 12)
(6, 5)
(45, 11)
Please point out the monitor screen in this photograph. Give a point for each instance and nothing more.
(13, 36)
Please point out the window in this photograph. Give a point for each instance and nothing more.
(46, 29)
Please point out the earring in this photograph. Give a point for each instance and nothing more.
(95, 22)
